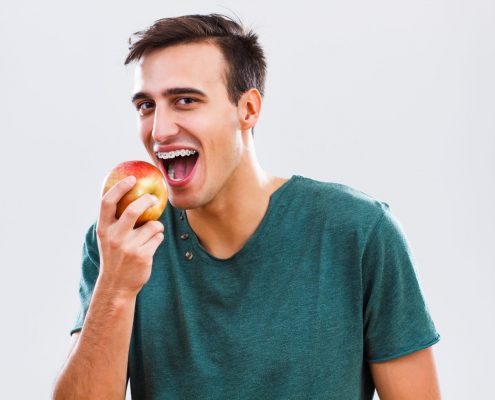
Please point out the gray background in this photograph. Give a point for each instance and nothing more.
(393, 98)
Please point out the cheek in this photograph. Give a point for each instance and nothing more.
(193, 122)
(145, 127)
(219, 118)
(222, 139)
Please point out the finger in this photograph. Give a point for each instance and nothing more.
(131, 214)
(111, 198)
(147, 231)
(151, 245)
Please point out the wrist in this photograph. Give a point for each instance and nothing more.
(113, 293)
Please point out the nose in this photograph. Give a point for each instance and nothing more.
(164, 125)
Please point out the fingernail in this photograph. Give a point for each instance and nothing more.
(154, 199)
(130, 179)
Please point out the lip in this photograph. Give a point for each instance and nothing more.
(179, 183)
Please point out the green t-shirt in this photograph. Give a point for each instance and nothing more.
(325, 285)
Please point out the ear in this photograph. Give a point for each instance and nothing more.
(248, 108)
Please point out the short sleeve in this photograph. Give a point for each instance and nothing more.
(396, 318)
(89, 273)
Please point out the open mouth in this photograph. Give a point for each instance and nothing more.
(179, 166)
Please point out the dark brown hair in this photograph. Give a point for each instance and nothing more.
(246, 66)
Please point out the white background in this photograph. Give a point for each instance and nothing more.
(396, 99)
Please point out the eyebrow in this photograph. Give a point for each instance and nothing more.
(169, 92)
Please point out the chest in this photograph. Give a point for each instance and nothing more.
(258, 326)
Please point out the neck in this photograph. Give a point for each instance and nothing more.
(225, 224)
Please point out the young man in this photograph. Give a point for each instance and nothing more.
(264, 287)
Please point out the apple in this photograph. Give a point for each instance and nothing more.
(149, 179)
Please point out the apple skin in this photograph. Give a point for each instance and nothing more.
(149, 179)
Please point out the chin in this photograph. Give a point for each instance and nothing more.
(184, 203)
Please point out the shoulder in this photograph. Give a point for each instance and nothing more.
(340, 204)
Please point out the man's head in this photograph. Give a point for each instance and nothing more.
(198, 86)
(246, 66)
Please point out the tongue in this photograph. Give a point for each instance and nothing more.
(183, 166)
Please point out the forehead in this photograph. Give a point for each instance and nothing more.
(199, 65)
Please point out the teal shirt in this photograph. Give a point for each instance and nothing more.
(325, 285)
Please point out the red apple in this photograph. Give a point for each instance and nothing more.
(149, 179)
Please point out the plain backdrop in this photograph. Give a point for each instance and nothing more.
(396, 99)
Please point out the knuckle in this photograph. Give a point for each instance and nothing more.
(157, 226)
(100, 231)
(156, 240)
(133, 212)
(106, 202)
(135, 253)
(152, 201)
(114, 243)
(129, 252)
(143, 259)
(139, 257)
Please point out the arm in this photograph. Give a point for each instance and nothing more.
(97, 366)
(409, 377)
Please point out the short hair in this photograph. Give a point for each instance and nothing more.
(246, 65)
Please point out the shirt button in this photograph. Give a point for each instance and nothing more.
(188, 255)
(184, 236)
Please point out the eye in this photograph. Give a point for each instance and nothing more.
(184, 101)
(144, 107)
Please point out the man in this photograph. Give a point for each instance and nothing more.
(265, 287)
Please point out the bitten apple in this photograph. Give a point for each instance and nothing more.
(149, 179)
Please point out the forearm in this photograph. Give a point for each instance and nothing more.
(97, 367)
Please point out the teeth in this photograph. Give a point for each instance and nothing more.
(172, 154)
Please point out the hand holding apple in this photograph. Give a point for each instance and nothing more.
(149, 179)
(126, 253)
